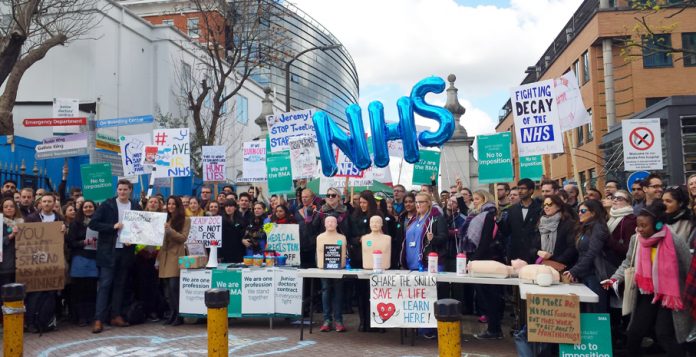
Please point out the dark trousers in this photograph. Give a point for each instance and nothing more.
(363, 293)
(112, 285)
(84, 294)
(491, 297)
(602, 307)
(172, 286)
(647, 316)
(147, 285)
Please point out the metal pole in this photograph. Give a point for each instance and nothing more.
(216, 300)
(92, 138)
(13, 319)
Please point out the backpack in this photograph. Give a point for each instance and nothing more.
(40, 311)
(135, 313)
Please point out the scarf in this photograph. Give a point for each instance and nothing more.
(660, 277)
(548, 229)
(473, 232)
(12, 223)
(616, 215)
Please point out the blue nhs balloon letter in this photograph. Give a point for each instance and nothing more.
(440, 114)
(353, 145)
(382, 132)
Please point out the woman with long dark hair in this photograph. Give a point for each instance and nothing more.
(678, 215)
(11, 217)
(282, 215)
(255, 237)
(556, 228)
(232, 250)
(176, 231)
(83, 268)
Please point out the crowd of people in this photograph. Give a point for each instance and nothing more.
(608, 239)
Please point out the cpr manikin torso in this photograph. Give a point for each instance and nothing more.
(376, 240)
(526, 273)
(330, 236)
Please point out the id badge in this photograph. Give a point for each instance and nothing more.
(412, 244)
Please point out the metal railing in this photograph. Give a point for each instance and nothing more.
(38, 178)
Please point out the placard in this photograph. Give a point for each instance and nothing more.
(206, 230)
(288, 292)
(553, 318)
(254, 162)
(494, 158)
(572, 112)
(284, 126)
(142, 227)
(285, 240)
(531, 167)
(40, 259)
(66, 108)
(595, 338)
(403, 300)
(642, 144)
(428, 165)
(97, 182)
(192, 286)
(232, 281)
(175, 142)
(258, 291)
(303, 157)
(213, 158)
(536, 119)
(132, 152)
(91, 237)
(279, 171)
(332, 256)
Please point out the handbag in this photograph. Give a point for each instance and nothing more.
(629, 295)
(557, 266)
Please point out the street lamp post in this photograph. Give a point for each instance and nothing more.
(289, 63)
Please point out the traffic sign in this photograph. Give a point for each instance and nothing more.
(638, 175)
(642, 144)
(642, 138)
(141, 119)
(54, 121)
(60, 154)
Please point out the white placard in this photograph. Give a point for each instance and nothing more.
(571, 109)
(205, 230)
(403, 300)
(284, 126)
(175, 142)
(132, 151)
(258, 289)
(214, 160)
(192, 286)
(285, 239)
(142, 227)
(288, 292)
(642, 144)
(254, 164)
(303, 157)
(91, 237)
(536, 119)
(66, 108)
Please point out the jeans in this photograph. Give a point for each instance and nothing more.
(332, 299)
(647, 316)
(602, 307)
(111, 286)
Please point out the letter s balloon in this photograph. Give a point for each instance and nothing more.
(439, 114)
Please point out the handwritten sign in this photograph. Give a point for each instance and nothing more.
(132, 152)
(287, 125)
(40, 260)
(285, 239)
(254, 162)
(536, 119)
(553, 318)
(177, 143)
(214, 160)
(403, 300)
(572, 112)
(206, 230)
(141, 227)
(303, 157)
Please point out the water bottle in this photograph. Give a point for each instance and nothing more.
(461, 264)
(432, 263)
(348, 264)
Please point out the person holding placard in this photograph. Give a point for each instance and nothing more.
(232, 250)
(82, 242)
(11, 217)
(176, 231)
(114, 259)
(332, 289)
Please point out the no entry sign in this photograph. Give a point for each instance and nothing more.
(642, 144)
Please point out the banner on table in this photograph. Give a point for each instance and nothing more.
(192, 286)
(232, 281)
(285, 239)
(531, 167)
(536, 119)
(142, 227)
(40, 259)
(284, 126)
(175, 142)
(553, 318)
(97, 182)
(279, 171)
(132, 151)
(66, 108)
(288, 292)
(642, 144)
(258, 290)
(572, 112)
(214, 160)
(426, 167)
(403, 300)
(254, 162)
(494, 158)
(303, 157)
(205, 230)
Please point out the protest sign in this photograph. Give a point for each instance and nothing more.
(285, 239)
(571, 110)
(288, 292)
(192, 287)
(279, 171)
(595, 338)
(214, 160)
(206, 230)
(258, 290)
(403, 300)
(96, 181)
(66, 108)
(303, 157)
(254, 162)
(174, 142)
(553, 318)
(494, 158)
(284, 126)
(132, 151)
(428, 165)
(531, 167)
(142, 227)
(40, 259)
(642, 144)
(536, 119)
(91, 239)
(332, 256)
(232, 281)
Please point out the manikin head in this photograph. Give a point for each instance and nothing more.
(376, 224)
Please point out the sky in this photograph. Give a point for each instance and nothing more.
(487, 44)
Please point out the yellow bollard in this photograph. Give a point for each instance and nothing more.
(13, 319)
(216, 300)
(448, 313)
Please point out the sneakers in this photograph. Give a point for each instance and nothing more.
(483, 319)
(486, 335)
(430, 335)
(326, 327)
(340, 328)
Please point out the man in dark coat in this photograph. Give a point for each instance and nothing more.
(521, 224)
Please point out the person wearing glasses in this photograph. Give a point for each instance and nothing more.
(653, 188)
(622, 225)
(679, 216)
(206, 193)
(556, 240)
(399, 193)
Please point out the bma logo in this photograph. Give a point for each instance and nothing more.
(354, 145)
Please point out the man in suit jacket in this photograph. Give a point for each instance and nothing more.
(521, 223)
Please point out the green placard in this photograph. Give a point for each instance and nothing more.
(595, 337)
(96, 182)
(279, 172)
(531, 167)
(232, 281)
(494, 158)
(428, 165)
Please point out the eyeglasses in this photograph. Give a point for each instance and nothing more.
(399, 190)
(656, 186)
(672, 188)
(331, 195)
(583, 210)
(619, 198)
(548, 204)
(421, 202)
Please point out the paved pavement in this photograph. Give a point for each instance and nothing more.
(247, 337)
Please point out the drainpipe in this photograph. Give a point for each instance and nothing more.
(607, 56)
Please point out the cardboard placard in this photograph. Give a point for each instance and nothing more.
(40, 260)
(553, 318)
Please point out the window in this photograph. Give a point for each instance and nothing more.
(593, 177)
(192, 26)
(242, 109)
(576, 70)
(649, 102)
(583, 179)
(655, 51)
(585, 67)
(689, 44)
(590, 134)
(168, 22)
(186, 78)
(580, 136)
